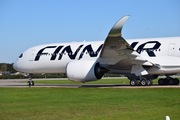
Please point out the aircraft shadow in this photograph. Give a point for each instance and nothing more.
(103, 85)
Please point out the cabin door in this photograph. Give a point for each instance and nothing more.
(171, 51)
(31, 57)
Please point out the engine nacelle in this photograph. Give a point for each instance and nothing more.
(84, 70)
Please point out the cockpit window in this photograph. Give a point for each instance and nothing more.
(21, 56)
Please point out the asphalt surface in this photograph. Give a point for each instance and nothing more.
(15, 83)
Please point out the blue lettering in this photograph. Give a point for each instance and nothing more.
(149, 50)
(41, 52)
(90, 51)
(69, 51)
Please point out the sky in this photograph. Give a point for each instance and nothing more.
(28, 23)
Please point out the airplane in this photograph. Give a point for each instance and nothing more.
(140, 60)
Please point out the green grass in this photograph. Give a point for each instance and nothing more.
(89, 103)
(102, 81)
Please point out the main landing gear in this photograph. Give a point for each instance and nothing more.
(149, 82)
(30, 82)
(143, 82)
(168, 81)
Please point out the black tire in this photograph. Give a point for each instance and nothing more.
(28, 83)
(171, 81)
(161, 82)
(138, 82)
(133, 82)
(143, 82)
(176, 81)
(166, 82)
(149, 82)
(32, 83)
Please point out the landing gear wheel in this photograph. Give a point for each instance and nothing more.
(149, 82)
(171, 81)
(133, 82)
(138, 82)
(176, 81)
(30, 83)
(160, 81)
(143, 82)
(166, 82)
(163, 81)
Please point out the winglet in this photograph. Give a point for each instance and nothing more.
(116, 29)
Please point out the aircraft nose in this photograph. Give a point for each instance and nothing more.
(15, 65)
(18, 67)
(18, 64)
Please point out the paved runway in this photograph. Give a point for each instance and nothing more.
(14, 83)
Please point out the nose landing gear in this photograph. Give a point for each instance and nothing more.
(30, 82)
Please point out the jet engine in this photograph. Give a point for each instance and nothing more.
(84, 70)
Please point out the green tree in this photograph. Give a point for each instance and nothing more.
(4, 67)
(10, 68)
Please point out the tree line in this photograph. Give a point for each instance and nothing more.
(7, 67)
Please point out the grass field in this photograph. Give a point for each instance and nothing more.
(89, 103)
(102, 81)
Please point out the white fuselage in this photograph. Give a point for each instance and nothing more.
(53, 58)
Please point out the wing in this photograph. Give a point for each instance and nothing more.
(118, 54)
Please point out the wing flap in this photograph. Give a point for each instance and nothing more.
(138, 70)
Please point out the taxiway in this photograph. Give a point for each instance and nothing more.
(16, 83)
